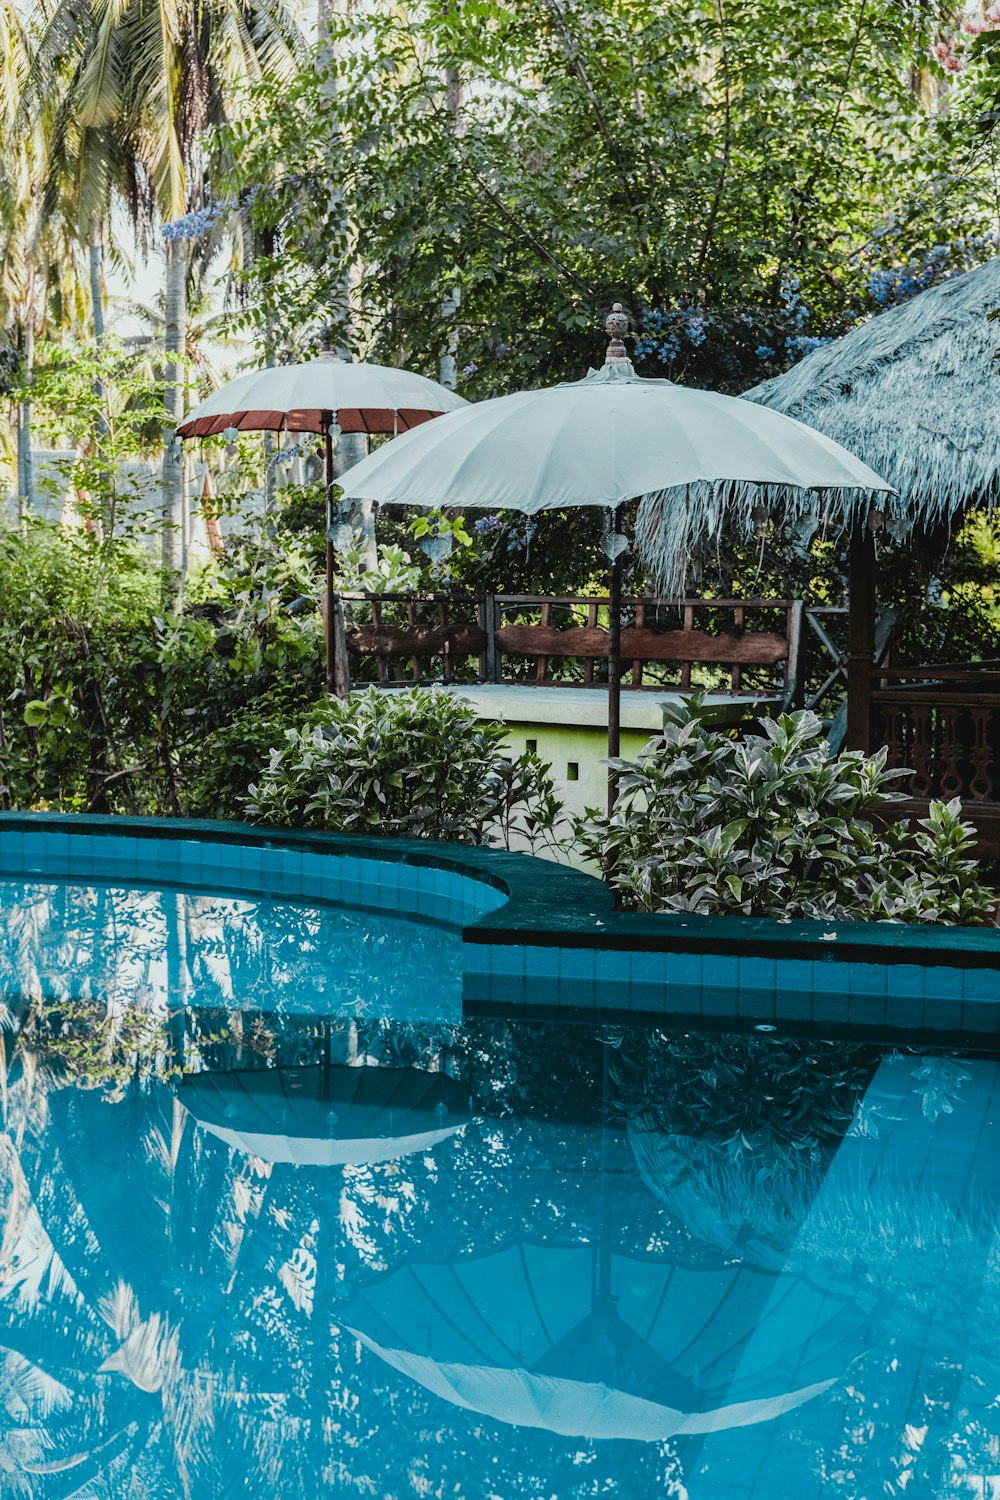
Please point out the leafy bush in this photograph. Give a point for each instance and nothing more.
(774, 825)
(413, 764)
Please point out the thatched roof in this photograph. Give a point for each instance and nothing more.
(915, 393)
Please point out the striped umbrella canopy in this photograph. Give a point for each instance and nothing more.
(587, 1342)
(318, 394)
(320, 1115)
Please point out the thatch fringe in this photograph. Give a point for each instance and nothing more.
(675, 526)
(914, 393)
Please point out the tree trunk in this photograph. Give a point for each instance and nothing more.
(24, 463)
(447, 362)
(96, 292)
(173, 399)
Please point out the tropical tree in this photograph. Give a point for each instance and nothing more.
(141, 85)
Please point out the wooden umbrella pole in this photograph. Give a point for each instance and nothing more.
(860, 636)
(328, 624)
(614, 670)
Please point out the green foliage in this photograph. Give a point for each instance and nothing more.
(772, 1096)
(108, 705)
(412, 764)
(773, 825)
(667, 156)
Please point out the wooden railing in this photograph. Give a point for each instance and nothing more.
(943, 725)
(734, 645)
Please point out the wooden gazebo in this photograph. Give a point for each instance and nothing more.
(915, 393)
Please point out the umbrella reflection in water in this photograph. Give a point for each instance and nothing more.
(587, 1342)
(327, 1115)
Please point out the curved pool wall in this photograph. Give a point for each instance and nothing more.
(547, 940)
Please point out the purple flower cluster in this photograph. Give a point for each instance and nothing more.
(900, 280)
(193, 225)
(666, 331)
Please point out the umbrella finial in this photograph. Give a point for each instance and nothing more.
(327, 344)
(616, 327)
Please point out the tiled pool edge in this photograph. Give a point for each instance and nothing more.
(554, 944)
(885, 978)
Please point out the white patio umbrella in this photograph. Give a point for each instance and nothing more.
(327, 396)
(602, 441)
(590, 1343)
(327, 1116)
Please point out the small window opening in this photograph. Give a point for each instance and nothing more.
(572, 770)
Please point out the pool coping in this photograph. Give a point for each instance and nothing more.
(558, 943)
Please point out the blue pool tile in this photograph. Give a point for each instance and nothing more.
(867, 1005)
(11, 849)
(758, 987)
(612, 969)
(905, 981)
(867, 1009)
(981, 985)
(980, 1017)
(507, 958)
(831, 986)
(867, 981)
(649, 971)
(577, 970)
(542, 964)
(685, 971)
(942, 1007)
(720, 992)
(58, 845)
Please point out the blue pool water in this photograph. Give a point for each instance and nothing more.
(277, 1222)
(154, 948)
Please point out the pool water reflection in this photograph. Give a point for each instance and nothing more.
(289, 1255)
(133, 946)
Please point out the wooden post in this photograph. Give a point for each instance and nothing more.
(614, 675)
(328, 622)
(860, 636)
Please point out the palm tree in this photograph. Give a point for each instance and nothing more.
(142, 83)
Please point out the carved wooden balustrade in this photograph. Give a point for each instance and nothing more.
(943, 725)
(740, 646)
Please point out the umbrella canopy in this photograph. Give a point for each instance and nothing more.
(327, 1116)
(599, 442)
(912, 392)
(306, 397)
(696, 458)
(524, 1336)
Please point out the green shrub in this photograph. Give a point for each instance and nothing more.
(774, 825)
(414, 763)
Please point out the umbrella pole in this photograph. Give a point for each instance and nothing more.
(328, 633)
(614, 675)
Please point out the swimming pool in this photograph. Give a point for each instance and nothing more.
(499, 1259)
(279, 1218)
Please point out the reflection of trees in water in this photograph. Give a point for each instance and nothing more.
(777, 1097)
(187, 1306)
(152, 948)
